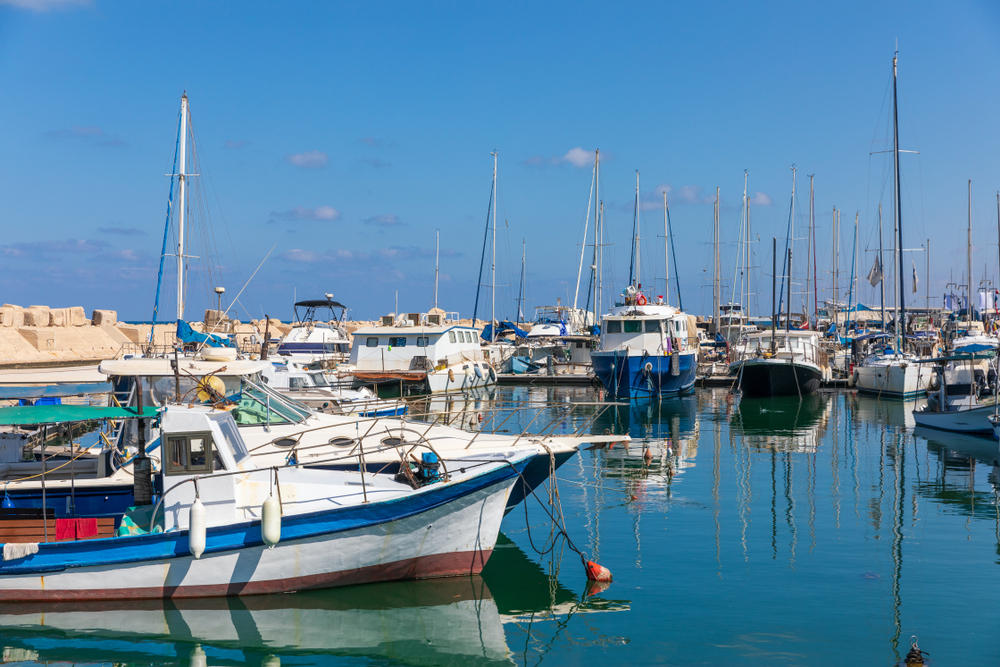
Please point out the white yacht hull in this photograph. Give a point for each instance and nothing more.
(902, 380)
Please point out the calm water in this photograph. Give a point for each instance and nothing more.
(771, 532)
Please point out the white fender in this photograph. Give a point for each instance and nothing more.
(270, 521)
(196, 528)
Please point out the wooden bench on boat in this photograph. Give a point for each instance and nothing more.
(28, 525)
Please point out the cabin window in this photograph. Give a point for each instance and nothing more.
(190, 453)
(468, 336)
(652, 326)
(614, 326)
(397, 341)
(451, 336)
(422, 341)
(633, 326)
(296, 383)
(371, 341)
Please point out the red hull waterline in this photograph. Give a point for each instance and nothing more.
(423, 567)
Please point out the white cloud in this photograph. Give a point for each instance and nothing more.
(320, 213)
(578, 157)
(760, 199)
(309, 159)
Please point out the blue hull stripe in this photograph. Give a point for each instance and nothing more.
(59, 556)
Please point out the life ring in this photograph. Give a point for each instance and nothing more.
(648, 367)
(641, 300)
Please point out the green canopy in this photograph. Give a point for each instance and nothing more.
(33, 415)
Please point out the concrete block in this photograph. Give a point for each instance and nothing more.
(104, 317)
(57, 317)
(11, 316)
(77, 317)
(36, 316)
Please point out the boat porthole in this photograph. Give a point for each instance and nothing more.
(341, 441)
(284, 442)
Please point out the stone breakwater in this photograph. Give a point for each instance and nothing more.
(40, 335)
(35, 336)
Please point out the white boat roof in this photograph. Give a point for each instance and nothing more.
(161, 366)
(647, 310)
(766, 333)
(407, 330)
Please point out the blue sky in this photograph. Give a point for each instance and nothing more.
(344, 134)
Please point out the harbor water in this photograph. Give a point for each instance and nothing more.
(822, 531)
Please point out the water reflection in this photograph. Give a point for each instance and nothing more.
(783, 424)
(456, 620)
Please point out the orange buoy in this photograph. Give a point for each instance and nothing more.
(596, 572)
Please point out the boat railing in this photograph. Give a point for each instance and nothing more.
(300, 464)
(497, 416)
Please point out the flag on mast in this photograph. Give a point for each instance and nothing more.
(875, 275)
(916, 281)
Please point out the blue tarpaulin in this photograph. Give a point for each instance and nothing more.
(503, 328)
(185, 334)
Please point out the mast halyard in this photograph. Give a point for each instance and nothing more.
(881, 264)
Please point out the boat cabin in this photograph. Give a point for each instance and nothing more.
(419, 346)
(656, 329)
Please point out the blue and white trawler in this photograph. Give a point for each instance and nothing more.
(646, 349)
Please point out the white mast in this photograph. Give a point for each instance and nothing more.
(437, 258)
(715, 265)
(586, 225)
(638, 280)
(744, 251)
(968, 258)
(791, 244)
(809, 253)
(666, 250)
(493, 264)
(182, 189)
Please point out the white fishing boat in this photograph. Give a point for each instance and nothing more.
(316, 340)
(427, 350)
(223, 526)
(278, 429)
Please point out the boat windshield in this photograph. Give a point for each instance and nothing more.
(259, 404)
(319, 380)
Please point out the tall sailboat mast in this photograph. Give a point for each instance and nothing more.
(636, 229)
(809, 257)
(437, 258)
(666, 251)
(968, 258)
(182, 209)
(901, 320)
(586, 229)
(520, 291)
(493, 262)
(716, 270)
